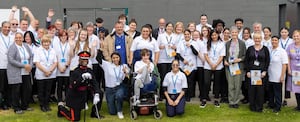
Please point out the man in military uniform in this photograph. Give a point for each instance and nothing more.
(81, 80)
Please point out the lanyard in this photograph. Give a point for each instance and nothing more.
(215, 49)
(118, 76)
(47, 56)
(6, 44)
(233, 47)
(273, 52)
(174, 81)
(169, 41)
(23, 51)
(63, 50)
(284, 46)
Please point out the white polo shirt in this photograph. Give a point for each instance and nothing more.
(267, 43)
(5, 42)
(175, 82)
(165, 40)
(199, 46)
(54, 41)
(46, 58)
(284, 43)
(217, 49)
(114, 74)
(63, 54)
(249, 42)
(187, 53)
(140, 43)
(140, 65)
(91, 41)
(278, 57)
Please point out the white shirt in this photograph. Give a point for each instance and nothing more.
(114, 74)
(140, 65)
(240, 36)
(46, 58)
(178, 38)
(199, 27)
(199, 46)
(24, 58)
(166, 40)
(248, 43)
(140, 43)
(91, 41)
(175, 82)
(284, 43)
(217, 49)
(54, 41)
(5, 42)
(278, 57)
(63, 54)
(187, 53)
(75, 60)
(267, 43)
(34, 32)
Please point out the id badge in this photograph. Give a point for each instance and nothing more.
(256, 63)
(118, 47)
(63, 60)
(174, 91)
(231, 59)
(25, 62)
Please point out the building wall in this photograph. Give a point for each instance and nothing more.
(149, 11)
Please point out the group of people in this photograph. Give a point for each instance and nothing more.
(77, 62)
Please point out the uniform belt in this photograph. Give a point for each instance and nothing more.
(82, 88)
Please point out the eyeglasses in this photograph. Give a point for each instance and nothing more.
(15, 24)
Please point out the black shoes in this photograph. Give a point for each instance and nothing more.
(245, 101)
(45, 108)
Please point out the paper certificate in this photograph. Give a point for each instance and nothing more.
(170, 52)
(296, 77)
(234, 69)
(256, 77)
(187, 69)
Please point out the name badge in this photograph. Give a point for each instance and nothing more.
(256, 63)
(231, 59)
(174, 91)
(63, 60)
(25, 62)
(118, 47)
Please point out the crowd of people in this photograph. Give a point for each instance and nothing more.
(60, 64)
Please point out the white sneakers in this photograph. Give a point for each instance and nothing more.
(120, 115)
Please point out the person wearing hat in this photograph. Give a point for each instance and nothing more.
(80, 80)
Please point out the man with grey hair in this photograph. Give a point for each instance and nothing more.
(5, 42)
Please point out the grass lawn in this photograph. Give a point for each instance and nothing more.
(192, 113)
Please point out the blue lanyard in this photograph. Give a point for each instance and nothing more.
(118, 76)
(284, 46)
(215, 48)
(169, 41)
(273, 52)
(47, 57)
(23, 51)
(6, 44)
(63, 50)
(174, 81)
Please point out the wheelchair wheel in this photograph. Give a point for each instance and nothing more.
(133, 115)
(158, 114)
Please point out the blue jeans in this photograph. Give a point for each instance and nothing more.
(114, 98)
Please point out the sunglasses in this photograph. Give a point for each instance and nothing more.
(14, 24)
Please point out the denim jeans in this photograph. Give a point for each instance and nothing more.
(114, 99)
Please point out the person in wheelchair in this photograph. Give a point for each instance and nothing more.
(143, 68)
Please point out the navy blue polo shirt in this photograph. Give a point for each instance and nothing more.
(120, 47)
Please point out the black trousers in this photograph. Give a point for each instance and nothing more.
(99, 105)
(200, 80)
(287, 94)
(256, 96)
(44, 89)
(275, 95)
(34, 83)
(21, 93)
(207, 82)
(245, 88)
(99, 75)
(53, 87)
(62, 86)
(298, 100)
(5, 90)
(191, 85)
(224, 85)
(163, 69)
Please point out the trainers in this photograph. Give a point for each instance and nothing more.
(217, 104)
(203, 104)
(19, 112)
(120, 115)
